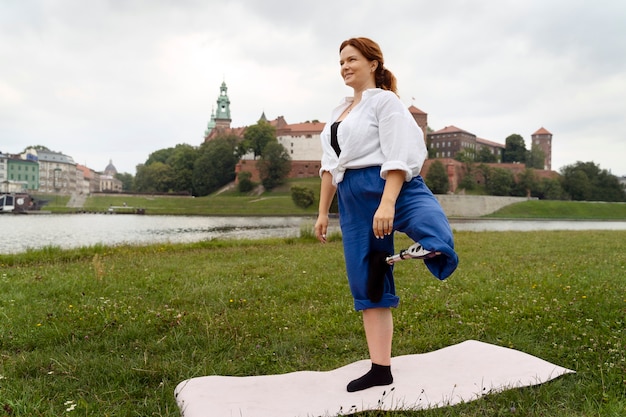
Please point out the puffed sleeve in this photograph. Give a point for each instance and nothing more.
(329, 158)
(401, 139)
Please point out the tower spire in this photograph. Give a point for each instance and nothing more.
(223, 106)
(220, 118)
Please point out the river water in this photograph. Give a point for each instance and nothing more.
(21, 232)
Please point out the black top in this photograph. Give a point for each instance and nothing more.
(333, 137)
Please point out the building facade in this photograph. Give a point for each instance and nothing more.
(421, 118)
(57, 173)
(543, 140)
(107, 180)
(24, 173)
(301, 140)
(4, 182)
(449, 141)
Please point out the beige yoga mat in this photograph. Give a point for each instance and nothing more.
(459, 373)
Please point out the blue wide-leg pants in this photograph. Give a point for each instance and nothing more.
(418, 214)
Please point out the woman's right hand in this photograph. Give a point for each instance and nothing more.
(321, 227)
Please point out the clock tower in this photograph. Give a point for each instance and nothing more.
(222, 114)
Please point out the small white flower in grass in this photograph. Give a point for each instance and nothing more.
(71, 404)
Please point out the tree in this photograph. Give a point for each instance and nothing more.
(37, 148)
(514, 149)
(536, 157)
(500, 182)
(549, 189)
(215, 165)
(576, 183)
(468, 182)
(465, 155)
(483, 175)
(587, 181)
(256, 138)
(162, 155)
(127, 181)
(154, 178)
(437, 178)
(274, 165)
(485, 155)
(182, 160)
(526, 183)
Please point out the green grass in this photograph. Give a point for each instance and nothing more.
(111, 331)
(550, 209)
(277, 202)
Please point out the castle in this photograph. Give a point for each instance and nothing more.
(302, 142)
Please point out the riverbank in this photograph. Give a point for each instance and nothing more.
(279, 203)
(112, 330)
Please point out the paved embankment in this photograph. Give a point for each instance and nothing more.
(474, 205)
(77, 200)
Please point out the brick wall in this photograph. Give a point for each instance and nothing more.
(299, 169)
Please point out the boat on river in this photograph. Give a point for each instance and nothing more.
(20, 203)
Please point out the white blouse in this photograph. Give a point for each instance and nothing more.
(379, 131)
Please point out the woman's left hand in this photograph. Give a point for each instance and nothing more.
(383, 220)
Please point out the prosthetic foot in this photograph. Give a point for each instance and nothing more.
(415, 251)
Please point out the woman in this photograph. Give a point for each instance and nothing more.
(373, 152)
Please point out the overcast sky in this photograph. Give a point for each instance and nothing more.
(120, 79)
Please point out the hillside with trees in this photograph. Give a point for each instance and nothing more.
(202, 170)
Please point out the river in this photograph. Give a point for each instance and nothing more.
(22, 232)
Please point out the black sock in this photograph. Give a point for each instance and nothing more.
(376, 276)
(378, 375)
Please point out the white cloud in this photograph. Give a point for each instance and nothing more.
(118, 80)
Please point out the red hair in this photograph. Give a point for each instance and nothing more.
(371, 51)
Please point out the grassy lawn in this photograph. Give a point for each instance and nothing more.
(278, 202)
(110, 331)
(550, 209)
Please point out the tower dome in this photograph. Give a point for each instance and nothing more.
(110, 169)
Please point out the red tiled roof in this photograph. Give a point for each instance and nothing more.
(542, 131)
(451, 129)
(415, 110)
(490, 143)
(219, 131)
(311, 128)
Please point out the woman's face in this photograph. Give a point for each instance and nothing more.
(357, 72)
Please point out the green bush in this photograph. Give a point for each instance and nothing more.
(302, 196)
(245, 182)
(437, 178)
